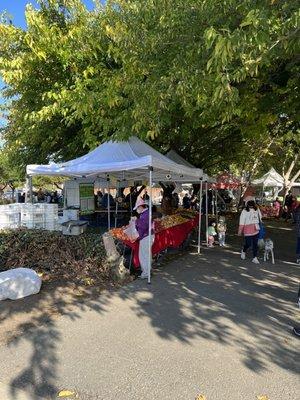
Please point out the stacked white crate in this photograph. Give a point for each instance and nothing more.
(32, 215)
(9, 216)
(51, 222)
(40, 216)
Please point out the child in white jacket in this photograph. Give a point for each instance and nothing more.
(249, 227)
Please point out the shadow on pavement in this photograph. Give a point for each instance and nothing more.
(205, 296)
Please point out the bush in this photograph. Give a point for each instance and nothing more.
(76, 258)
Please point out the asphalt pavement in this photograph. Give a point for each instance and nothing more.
(209, 324)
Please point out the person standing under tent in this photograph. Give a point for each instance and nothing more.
(297, 220)
(249, 226)
(133, 195)
(55, 197)
(175, 200)
(98, 198)
(288, 205)
(142, 226)
(40, 195)
(145, 196)
(186, 201)
(166, 203)
(277, 207)
(294, 206)
(104, 200)
(48, 198)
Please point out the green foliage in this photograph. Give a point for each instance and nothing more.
(206, 78)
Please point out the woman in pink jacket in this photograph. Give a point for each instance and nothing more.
(249, 227)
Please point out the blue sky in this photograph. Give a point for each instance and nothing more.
(16, 9)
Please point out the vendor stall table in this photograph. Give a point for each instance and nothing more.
(167, 238)
(269, 212)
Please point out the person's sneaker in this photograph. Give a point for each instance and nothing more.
(243, 255)
(296, 331)
(298, 261)
(143, 276)
(255, 260)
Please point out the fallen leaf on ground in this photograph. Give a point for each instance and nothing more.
(66, 393)
(200, 397)
(263, 397)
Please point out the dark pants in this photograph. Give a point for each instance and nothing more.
(251, 241)
(298, 247)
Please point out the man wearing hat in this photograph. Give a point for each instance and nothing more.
(142, 226)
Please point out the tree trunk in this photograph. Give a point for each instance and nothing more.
(288, 180)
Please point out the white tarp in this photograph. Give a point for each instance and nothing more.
(124, 161)
(18, 283)
(270, 179)
(172, 155)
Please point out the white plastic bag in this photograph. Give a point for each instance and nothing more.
(18, 283)
(261, 244)
(131, 231)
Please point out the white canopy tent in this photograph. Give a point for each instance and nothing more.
(270, 179)
(123, 161)
(174, 156)
(128, 160)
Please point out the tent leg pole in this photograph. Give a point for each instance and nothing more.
(206, 211)
(200, 217)
(116, 213)
(30, 190)
(27, 192)
(108, 209)
(130, 204)
(65, 197)
(216, 199)
(150, 226)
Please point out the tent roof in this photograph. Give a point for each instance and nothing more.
(270, 179)
(128, 160)
(174, 156)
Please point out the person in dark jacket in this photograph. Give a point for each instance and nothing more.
(186, 201)
(104, 200)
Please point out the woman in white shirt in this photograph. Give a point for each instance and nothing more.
(249, 227)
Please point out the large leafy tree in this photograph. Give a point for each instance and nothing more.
(209, 79)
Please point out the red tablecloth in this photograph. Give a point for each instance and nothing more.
(171, 237)
(269, 212)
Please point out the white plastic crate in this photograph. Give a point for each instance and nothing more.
(15, 207)
(33, 225)
(10, 217)
(32, 218)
